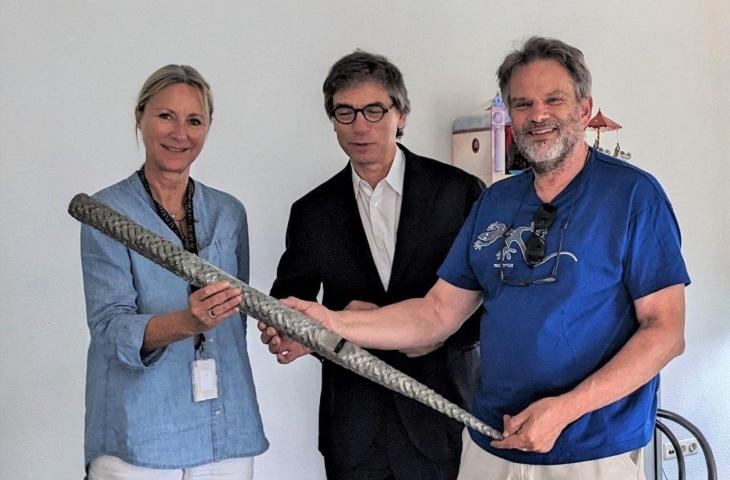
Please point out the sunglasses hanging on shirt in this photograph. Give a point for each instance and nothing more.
(535, 245)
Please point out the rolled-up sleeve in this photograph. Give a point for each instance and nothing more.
(115, 326)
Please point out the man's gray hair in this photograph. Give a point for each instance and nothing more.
(541, 48)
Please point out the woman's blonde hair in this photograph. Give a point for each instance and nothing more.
(171, 75)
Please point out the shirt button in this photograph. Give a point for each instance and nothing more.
(217, 412)
(211, 340)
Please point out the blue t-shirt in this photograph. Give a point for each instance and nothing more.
(620, 242)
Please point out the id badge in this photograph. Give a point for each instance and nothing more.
(205, 380)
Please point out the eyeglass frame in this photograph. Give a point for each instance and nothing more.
(544, 219)
(552, 278)
(361, 111)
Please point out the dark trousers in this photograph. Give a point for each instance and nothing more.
(392, 456)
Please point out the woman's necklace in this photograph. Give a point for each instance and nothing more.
(178, 218)
(177, 223)
(180, 223)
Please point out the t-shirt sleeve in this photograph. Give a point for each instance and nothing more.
(456, 268)
(653, 259)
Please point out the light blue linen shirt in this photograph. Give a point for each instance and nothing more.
(142, 410)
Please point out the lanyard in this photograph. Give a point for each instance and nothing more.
(190, 243)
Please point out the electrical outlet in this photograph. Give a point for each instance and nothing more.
(689, 446)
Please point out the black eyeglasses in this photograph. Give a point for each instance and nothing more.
(535, 246)
(372, 113)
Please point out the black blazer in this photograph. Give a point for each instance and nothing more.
(326, 246)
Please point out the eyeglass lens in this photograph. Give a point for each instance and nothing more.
(535, 245)
(372, 113)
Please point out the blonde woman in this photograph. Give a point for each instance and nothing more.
(169, 391)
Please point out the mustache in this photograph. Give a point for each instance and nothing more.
(548, 123)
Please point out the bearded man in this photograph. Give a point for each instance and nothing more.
(583, 291)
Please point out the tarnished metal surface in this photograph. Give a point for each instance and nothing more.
(265, 308)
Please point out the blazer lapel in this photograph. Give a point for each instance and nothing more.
(344, 212)
(417, 201)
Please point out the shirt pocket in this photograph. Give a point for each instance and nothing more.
(222, 254)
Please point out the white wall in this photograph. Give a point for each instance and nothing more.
(69, 73)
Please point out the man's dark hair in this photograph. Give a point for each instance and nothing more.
(360, 66)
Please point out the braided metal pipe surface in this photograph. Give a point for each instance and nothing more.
(266, 308)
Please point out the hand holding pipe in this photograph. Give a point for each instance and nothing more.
(267, 309)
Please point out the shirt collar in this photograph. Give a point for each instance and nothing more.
(394, 178)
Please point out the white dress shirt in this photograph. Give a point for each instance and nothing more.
(379, 209)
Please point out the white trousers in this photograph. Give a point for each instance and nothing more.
(478, 464)
(107, 467)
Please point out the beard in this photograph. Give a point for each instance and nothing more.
(545, 156)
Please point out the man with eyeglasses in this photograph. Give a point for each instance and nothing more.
(578, 264)
(372, 235)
